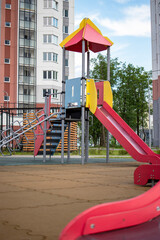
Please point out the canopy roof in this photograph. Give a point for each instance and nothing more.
(94, 40)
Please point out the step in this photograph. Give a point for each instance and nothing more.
(48, 152)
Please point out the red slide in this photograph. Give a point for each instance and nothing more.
(133, 144)
(116, 215)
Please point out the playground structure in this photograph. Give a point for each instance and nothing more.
(48, 129)
(123, 214)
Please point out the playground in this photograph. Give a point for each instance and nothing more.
(37, 201)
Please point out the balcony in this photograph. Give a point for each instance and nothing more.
(27, 6)
(27, 99)
(27, 25)
(27, 61)
(27, 43)
(24, 80)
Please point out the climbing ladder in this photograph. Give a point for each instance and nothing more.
(53, 137)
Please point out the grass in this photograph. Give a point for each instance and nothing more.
(96, 151)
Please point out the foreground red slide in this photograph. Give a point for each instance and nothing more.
(116, 215)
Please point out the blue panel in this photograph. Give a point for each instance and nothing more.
(73, 93)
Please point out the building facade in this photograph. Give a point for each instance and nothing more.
(31, 58)
(155, 35)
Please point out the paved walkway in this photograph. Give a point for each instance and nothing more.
(29, 160)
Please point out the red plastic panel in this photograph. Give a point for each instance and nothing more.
(39, 131)
(147, 231)
(99, 87)
(144, 173)
(116, 215)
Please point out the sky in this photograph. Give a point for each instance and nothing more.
(125, 22)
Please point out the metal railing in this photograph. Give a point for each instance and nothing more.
(7, 136)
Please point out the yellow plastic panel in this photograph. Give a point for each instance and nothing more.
(107, 93)
(91, 93)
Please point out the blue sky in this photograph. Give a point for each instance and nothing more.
(125, 22)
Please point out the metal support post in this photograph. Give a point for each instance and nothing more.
(83, 101)
(45, 129)
(63, 106)
(108, 78)
(87, 115)
(69, 141)
(149, 113)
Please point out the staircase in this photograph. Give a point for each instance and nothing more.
(53, 137)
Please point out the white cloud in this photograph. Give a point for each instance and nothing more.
(117, 48)
(122, 1)
(136, 22)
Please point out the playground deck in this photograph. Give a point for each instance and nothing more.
(37, 201)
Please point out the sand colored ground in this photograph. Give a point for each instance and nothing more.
(36, 202)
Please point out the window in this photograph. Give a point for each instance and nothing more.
(46, 91)
(27, 17)
(55, 5)
(55, 22)
(49, 56)
(26, 91)
(50, 38)
(28, 1)
(50, 4)
(6, 79)
(55, 57)
(50, 75)
(45, 38)
(27, 54)
(27, 73)
(54, 93)
(72, 91)
(66, 62)
(45, 21)
(8, 6)
(65, 29)
(6, 98)
(7, 24)
(7, 60)
(7, 42)
(55, 39)
(50, 21)
(45, 56)
(55, 74)
(65, 13)
(44, 74)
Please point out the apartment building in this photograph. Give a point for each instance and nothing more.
(155, 35)
(31, 58)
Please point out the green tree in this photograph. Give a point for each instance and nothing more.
(99, 65)
(130, 94)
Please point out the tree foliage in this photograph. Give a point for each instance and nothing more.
(130, 94)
